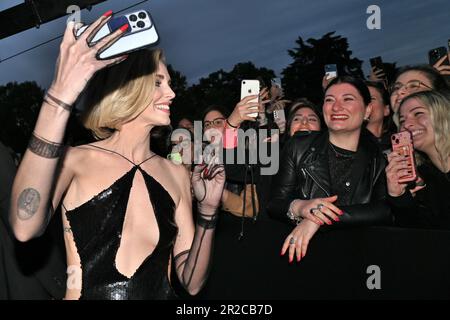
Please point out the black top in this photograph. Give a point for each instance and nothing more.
(340, 161)
(430, 208)
(305, 174)
(97, 229)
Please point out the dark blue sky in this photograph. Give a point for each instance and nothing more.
(203, 36)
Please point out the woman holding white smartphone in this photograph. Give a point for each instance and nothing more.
(125, 211)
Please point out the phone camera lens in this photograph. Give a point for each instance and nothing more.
(140, 24)
(133, 17)
(397, 141)
(142, 15)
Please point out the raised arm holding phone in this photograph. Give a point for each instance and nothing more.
(126, 213)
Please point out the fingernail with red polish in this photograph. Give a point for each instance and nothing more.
(108, 13)
(124, 27)
(290, 260)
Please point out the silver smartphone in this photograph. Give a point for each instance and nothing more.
(141, 33)
(279, 115)
(249, 88)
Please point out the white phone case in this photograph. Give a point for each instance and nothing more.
(249, 88)
(142, 34)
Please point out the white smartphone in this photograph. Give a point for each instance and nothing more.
(141, 33)
(249, 88)
(330, 71)
(279, 115)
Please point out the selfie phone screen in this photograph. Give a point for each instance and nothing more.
(116, 23)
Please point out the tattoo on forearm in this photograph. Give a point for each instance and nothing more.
(28, 203)
(45, 148)
(67, 229)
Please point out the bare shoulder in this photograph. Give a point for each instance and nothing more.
(76, 157)
(178, 172)
(85, 158)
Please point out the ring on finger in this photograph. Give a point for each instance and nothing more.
(292, 240)
(313, 211)
(320, 206)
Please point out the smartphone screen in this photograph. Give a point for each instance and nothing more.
(330, 71)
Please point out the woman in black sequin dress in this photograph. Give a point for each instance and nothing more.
(127, 213)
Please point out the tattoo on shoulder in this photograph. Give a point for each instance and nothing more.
(28, 203)
(67, 229)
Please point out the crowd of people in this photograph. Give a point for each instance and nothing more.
(134, 222)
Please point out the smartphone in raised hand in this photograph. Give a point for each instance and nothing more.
(249, 88)
(141, 33)
(331, 71)
(434, 55)
(403, 145)
(376, 63)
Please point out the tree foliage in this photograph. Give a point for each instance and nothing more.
(19, 107)
(219, 88)
(20, 103)
(303, 77)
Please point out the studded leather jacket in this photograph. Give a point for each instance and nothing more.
(304, 174)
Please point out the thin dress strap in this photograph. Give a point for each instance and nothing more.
(137, 165)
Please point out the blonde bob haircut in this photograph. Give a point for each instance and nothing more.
(118, 94)
(438, 103)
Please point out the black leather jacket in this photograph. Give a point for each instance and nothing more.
(304, 174)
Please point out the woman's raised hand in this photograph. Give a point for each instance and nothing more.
(444, 69)
(77, 60)
(208, 182)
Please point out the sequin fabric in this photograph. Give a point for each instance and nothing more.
(97, 230)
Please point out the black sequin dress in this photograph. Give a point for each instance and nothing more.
(97, 230)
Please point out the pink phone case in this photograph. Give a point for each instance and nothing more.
(402, 143)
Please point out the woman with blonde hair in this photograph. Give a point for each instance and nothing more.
(427, 116)
(126, 212)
